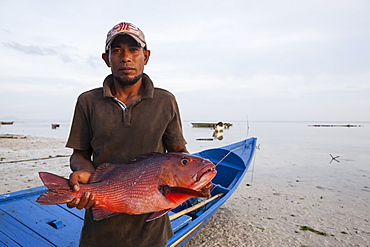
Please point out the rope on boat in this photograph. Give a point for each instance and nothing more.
(254, 162)
(214, 187)
(229, 154)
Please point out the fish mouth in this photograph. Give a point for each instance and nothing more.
(208, 172)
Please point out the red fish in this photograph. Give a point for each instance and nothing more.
(154, 183)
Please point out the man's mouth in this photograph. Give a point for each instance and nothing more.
(127, 70)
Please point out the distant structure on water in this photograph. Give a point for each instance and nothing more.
(6, 123)
(211, 125)
(335, 125)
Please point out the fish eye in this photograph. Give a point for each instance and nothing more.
(184, 161)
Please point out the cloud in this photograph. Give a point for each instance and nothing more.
(271, 60)
(63, 53)
(58, 51)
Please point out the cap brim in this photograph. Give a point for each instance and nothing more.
(139, 41)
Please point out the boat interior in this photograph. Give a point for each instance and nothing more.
(230, 168)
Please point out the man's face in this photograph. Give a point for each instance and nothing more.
(126, 59)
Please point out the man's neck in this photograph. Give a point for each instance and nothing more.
(128, 94)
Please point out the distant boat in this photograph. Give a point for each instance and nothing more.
(6, 123)
(210, 125)
(54, 126)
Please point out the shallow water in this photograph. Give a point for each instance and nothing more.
(290, 151)
(39, 128)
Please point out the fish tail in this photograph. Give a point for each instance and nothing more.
(59, 189)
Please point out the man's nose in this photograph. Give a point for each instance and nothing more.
(126, 56)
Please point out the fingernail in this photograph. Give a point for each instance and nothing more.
(75, 188)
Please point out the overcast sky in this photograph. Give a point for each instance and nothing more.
(223, 60)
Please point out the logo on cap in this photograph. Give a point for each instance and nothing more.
(125, 28)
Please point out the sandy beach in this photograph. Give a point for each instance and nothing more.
(22, 157)
(279, 210)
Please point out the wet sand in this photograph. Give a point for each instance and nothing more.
(22, 157)
(265, 216)
(276, 210)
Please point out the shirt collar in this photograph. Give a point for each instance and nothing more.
(147, 83)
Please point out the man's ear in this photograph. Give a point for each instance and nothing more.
(105, 57)
(146, 56)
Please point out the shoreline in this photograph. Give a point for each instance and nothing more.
(276, 210)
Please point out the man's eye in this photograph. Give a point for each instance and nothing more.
(116, 50)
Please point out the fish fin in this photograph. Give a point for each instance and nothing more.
(180, 194)
(157, 214)
(100, 213)
(59, 189)
(53, 181)
(101, 171)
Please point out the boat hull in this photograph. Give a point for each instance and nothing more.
(235, 161)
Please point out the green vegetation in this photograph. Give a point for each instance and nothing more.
(307, 228)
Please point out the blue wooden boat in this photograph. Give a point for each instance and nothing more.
(23, 222)
(233, 162)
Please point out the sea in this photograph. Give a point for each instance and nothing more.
(287, 151)
(293, 175)
(283, 137)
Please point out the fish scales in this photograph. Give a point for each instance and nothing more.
(133, 187)
(154, 183)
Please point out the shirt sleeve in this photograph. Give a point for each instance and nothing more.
(173, 135)
(80, 133)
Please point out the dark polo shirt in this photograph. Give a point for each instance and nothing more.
(117, 135)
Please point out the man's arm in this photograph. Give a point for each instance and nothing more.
(82, 167)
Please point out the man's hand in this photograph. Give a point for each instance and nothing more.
(87, 200)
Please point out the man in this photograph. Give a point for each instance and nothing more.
(125, 118)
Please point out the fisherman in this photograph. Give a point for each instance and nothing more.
(124, 119)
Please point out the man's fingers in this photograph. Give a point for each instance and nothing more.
(87, 200)
(77, 177)
(91, 201)
(84, 200)
(73, 182)
(73, 203)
